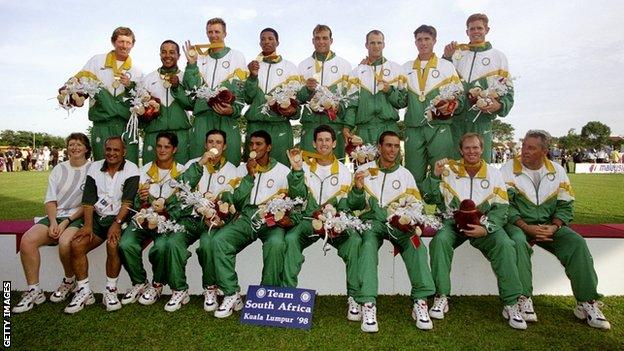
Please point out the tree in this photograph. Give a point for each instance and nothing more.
(595, 134)
(22, 138)
(570, 141)
(502, 131)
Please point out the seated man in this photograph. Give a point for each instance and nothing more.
(325, 180)
(110, 188)
(386, 181)
(472, 179)
(156, 191)
(263, 179)
(541, 205)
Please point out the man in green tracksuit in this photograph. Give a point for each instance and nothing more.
(428, 135)
(267, 74)
(372, 112)
(211, 174)
(155, 186)
(164, 84)
(110, 112)
(541, 207)
(263, 180)
(331, 71)
(219, 67)
(478, 65)
(324, 180)
(450, 183)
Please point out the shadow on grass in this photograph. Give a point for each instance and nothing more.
(14, 208)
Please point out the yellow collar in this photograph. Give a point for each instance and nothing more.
(152, 172)
(423, 73)
(311, 158)
(517, 165)
(111, 62)
(211, 168)
(459, 168)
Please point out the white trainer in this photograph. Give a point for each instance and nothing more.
(82, 298)
(210, 299)
(29, 299)
(151, 294)
(440, 307)
(110, 300)
(590, 311)
(526, 309)
(63, 291)
(179, 298)
(512, 313)
(354, 313)
(132, 295)
(369, 318)
(230, 304)
(421, 315)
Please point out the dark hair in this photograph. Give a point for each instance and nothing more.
(426, 29)
(385, 134)
(377, 32)
(272, 31)
(122, 31)
(324, 128)
(216, 131)
(217, 20)
(115, 137)
(261, 134)
(321, 27)
(173, 139)
(169, 41)
(478, 17)
(81, 138)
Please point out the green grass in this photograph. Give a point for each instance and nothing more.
(474, 323)
(598, 196)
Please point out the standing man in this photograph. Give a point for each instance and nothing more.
(331, 71)
(110, 188)
(268, 72)
(475, 62)
(324, 180)
(541, 207)
(428, 135)
(373, 79)
(263, 179)
(211, 174)
(473, 179)
(157, 191)
(217, 67)
(386, 181)
(164, 84)
(117, 73)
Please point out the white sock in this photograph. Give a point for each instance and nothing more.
(111, 283)
(84, 284)
(35, 287)
(69, 280)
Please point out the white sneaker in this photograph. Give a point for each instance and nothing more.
(526, 309)
(29, 299)
(354, 313)
(440, 307)
(110, 300)
(230, 304)
(512, 313)
(151, 294)
(590, 310)
(82, 298)
(63, 291)
(132, 295)
(179, 298)
(369, 318)
(421, 315)
(210, 299)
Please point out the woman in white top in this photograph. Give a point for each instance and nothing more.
(63, 218)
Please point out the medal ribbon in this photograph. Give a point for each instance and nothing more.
(423, 74)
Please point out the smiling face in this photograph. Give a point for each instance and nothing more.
(76, 149)
(324, 144)
(268, 42)
(424, 43)
(114, 152)
(216, 33)
(389, 149)
(169, 55)
(477, 31)
(123, 45)
(164, 150)
(471, 150)
(322, 41)
(215, 141)
(375, 45)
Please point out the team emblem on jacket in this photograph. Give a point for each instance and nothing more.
(334, 69)
(221, 179)
(485, 61)
(435, 73)
(550, 176)
(279, 72)
(386, 72)
(270, 183)
(396, 184)
(333, 180)
(226, 64)
(485, 184)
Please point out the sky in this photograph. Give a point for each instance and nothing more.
(566, 56)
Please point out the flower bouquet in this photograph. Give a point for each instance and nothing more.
(447, 97)
(142, 104)
(156, 218)
(363, 154)
(76, 90)
(331, 223)
(481, 98)
(283, 100)
(407, 215)
(209, 206)
(326, 102)
(276, 212)
(214, 96)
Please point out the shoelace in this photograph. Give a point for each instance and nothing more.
(421, 311)
(438, 304)
(596, 308)
(210, 294)
(135, 290)
(354, 307)
(28, 296)
(64, 288)
(368, 314)
(177, 297)
(80, 296)
(110, 296)
(514, 313)
(228, 302)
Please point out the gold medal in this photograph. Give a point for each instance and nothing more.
(116, 83)
(422, 97)
(317, 76)
(457, 56)
(192, 52)
(253, 154)
(166, 84)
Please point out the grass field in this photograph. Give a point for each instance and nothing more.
(474, 323)
(598, 196)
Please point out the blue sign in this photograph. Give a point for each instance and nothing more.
(278, 307)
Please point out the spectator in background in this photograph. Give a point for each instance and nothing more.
(616, 156)
(19, 158)
(46, 158)
(9, 160)
(601, 156)
(2, 162)
(591, 156)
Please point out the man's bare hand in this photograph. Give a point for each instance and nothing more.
(311, 84)
(439, 166)
(449, 49)
(254, 67)
(358, 179)
(475, 231)
(188, 52)
(223, 109)
(296, 161)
